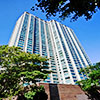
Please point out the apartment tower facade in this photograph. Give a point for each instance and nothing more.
(55, 41)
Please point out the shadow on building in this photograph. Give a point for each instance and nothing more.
(54, 93)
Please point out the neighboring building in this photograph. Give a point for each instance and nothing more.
(64, 92)
(54, 40)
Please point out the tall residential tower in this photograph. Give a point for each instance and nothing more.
(54, 40)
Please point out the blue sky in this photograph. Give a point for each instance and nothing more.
(88, 32)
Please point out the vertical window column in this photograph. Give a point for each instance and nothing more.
(30, 37)
(43, 39)
(36, 48)
(23, 32)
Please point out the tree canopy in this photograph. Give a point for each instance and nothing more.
(18, 68)
(68, 8)
(92, 84)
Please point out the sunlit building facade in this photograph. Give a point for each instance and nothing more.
(55, 41)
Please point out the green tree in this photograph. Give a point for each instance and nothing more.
(92, 84)
(19, 68)
(36, 93)
(68, 8)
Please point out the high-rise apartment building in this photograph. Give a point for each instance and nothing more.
(54, 40)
